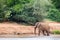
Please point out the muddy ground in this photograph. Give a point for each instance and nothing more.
(8, 29)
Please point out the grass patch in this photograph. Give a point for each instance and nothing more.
(56, 32)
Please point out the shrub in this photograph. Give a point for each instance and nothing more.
(54, 15)
(1, 19)
(56, 32)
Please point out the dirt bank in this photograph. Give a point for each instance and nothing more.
(14, 28)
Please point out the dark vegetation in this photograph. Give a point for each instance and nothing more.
(28, 11)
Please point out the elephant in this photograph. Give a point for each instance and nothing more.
(42, 27)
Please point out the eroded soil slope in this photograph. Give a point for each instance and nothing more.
(13, 28)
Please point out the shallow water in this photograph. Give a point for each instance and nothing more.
(34, 38)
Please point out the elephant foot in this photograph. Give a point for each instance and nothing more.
(48, 35)
(38, 34)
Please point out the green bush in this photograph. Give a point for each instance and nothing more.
(1, 19)
(24, 18)
(54, 15)
(27, 11)
(56, 32)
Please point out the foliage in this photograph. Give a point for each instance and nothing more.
(54, 15)
(56, 32)
(54, 11)
(56, 3)
(29, 11)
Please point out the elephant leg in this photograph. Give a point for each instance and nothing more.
(43, 32)
(35, 30)
(47, 33)
(39, 31)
